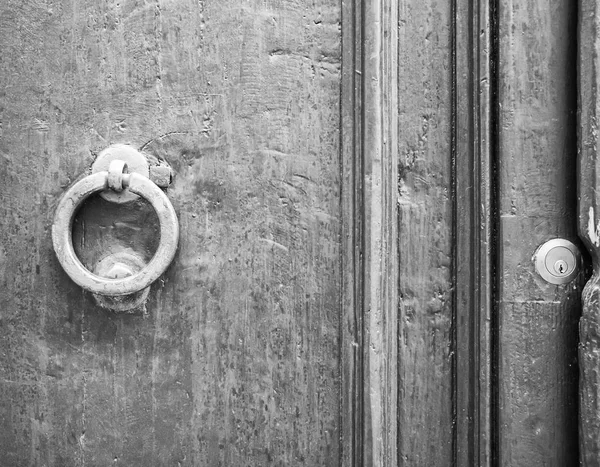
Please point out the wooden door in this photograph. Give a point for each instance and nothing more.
(251, 348)
(236, 359)
(360, 188)
(487, 173)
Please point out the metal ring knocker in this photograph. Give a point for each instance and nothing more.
(116, 179)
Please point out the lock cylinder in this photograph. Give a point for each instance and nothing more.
(557, 261)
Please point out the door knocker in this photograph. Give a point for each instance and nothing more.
(119, 185)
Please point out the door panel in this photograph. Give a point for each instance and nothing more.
(499, 384)
(353, 284)
(425, 220)
(537, 335)
(446, 232)
(236, 359)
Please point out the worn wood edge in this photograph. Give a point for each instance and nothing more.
(473, 206)
(587, 166)
(369, 233)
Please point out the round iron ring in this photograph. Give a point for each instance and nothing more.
(63, 241)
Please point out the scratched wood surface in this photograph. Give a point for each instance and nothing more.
(425, 401)
(236, 360)
(537, 336)
(589, 231)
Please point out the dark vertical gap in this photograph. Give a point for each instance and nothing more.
(495, 220)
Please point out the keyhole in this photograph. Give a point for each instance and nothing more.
(561, 267)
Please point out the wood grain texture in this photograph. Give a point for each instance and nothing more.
(236, 361)
(589, 215)
(446, 233)
(425, 231)
(370, 260)
(540, 387)
(475, 236)
(537, 371)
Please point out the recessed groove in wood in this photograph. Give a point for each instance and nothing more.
(473, 189)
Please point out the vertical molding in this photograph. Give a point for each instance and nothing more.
(369, 258)
(353, 243)
(473, 231)
(381, 187)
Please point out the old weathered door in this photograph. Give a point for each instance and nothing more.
(360, 189)
(251, 347)
(236, 358)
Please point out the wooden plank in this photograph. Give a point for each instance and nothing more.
(474, 230)
(425, 230)
(537, 409)
(369, 333)
(237, 360)
(542, 336)
(589, 361)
